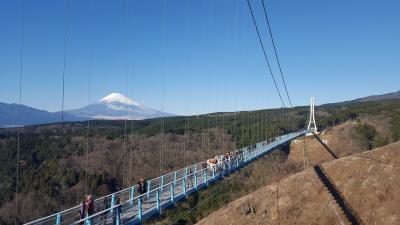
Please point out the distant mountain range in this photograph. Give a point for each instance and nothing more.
(13, 115)
(114, 106)
(393, 95)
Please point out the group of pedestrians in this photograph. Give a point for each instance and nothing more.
(86, 208)
(221, 162)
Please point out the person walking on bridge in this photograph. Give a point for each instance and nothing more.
(142, 186)
(90, 207)
(82, 210)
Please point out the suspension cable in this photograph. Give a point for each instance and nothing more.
(162, 119)
(64, 60)
(126, 88)
(89, 99)
(265, 53)
(21, 66)
(286, 119)
(187, 99)
(132, 112)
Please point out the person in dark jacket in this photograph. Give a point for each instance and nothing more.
(82, 210)
(90, 205)
(90, 208)
(142, 186)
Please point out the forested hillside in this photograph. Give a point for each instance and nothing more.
(60, 163)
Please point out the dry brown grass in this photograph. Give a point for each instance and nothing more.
(367, 180)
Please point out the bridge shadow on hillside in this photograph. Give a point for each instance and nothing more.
(325, 146)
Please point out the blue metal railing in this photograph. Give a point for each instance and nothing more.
(164, 190)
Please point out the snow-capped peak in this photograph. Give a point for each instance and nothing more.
(118, 98)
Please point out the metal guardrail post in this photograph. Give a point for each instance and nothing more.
(112, 202)
(213, 172)
(175, 178)
(132, 195)
(139, 216)
(88, 221)
(118, 217)
(195, 181)
(205, 177)
(162, 183)
(158, 201)
(58, 219)
(172, 193)
(184, 185)
(148, 189)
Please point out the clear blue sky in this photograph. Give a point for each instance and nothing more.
(196, 56)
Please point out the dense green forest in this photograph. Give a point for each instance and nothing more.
(59, 163)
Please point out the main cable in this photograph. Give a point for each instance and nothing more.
(264, 52)
(276, 53)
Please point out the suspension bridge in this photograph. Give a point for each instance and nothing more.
(128, 206)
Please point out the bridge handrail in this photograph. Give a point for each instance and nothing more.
(171, 183)
(54, 215)
(145, 194)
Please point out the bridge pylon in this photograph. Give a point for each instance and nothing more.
(312, 125)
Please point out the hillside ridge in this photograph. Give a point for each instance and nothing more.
(366, 181)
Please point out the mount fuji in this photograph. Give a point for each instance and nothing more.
(116, 106)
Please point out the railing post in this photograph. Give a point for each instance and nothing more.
(139, 216)
(132, 195)
(175, 178)
(58, 219)
(148, 189)
(118, 217)
(162, 183)
(172, 193)
(88, 221)
(195, 181)
(205, 177)
(213, 172)
(158, 201)
(112, 202)
(184, 186)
